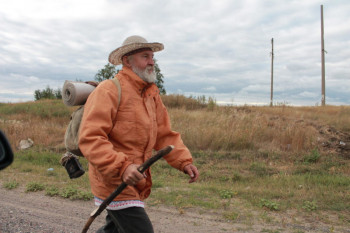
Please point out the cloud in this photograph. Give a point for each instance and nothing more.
(213, 48)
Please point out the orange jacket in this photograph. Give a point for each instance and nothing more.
(111, 139)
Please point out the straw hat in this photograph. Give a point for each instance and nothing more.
(130, 44)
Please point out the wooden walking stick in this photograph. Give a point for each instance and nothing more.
(122, 186)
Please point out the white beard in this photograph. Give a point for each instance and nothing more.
(145, 75)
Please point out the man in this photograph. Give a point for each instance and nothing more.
(116, 141)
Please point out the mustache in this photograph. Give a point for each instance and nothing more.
(149, 68)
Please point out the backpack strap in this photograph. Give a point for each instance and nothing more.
(117, 83)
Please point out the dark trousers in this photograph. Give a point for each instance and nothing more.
(130, 220)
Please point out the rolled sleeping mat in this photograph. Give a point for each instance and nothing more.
(76, 93)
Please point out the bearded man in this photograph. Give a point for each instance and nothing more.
(116, 140)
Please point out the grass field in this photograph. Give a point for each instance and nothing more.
(278, 159)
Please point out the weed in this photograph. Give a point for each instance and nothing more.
(310, 205)
(69, 192)
(227, 194)
(73, 193)
(34, 187)
(271, 205)
(84, 195)
(10, 185)
(313, 157)
(51, 191)
(232, 216)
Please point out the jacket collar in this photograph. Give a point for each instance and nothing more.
(137, 82)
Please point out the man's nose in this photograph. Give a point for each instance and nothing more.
(151, 62)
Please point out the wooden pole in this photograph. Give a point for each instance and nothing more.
(323, 61)
(272, 55)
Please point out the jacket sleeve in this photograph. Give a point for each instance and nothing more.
(180, 156)
(99, 113)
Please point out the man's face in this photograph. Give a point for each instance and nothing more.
(143, 60)
(142, 64)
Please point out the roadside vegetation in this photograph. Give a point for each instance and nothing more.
(254, 161)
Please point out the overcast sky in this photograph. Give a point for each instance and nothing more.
(216, 48)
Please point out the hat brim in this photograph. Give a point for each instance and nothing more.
(115, 57)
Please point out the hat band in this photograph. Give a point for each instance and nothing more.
(137, 51)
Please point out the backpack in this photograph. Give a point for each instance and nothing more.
(71, 140)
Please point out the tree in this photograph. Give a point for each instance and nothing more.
(58, 93)
(48, 93)
(160, 77)
(107, 72)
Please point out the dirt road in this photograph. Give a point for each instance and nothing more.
(37, 213)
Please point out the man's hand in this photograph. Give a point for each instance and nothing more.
(131, 175)
(192, 171)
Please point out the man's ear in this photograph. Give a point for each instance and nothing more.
(126, 61)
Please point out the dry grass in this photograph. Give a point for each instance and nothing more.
(279, 129)
(236, 128)
(43, 121)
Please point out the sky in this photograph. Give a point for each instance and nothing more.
(216, 48)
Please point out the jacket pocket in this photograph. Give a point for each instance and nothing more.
(124, 130)
(130, 130)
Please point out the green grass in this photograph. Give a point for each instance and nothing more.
(226, 183)
(281, 191)
(30, 169)
(38, 158)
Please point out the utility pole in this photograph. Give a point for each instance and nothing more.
(272, 55)
(322, 60)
